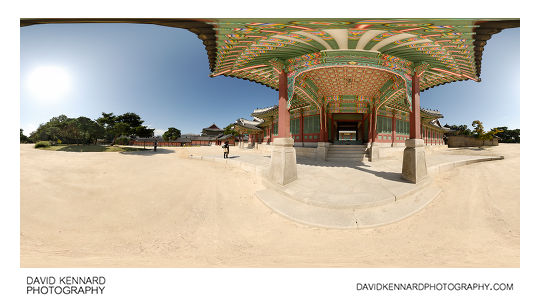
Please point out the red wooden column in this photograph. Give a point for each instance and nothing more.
(370, 127)
(393, 128)
(284, 119)
(374, 124)
(322, 118)
(414, 118)
(302, 126)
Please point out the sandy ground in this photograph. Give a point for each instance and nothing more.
(161, 210)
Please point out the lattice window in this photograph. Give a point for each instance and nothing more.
(402, 127)
(295, 126)
(384, 125)
(311, 124)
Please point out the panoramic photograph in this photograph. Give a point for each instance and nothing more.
(269, 143)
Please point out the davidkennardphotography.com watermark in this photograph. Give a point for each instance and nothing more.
(437, 286)
(65, 285)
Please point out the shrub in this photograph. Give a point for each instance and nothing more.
(122, 141)
(42, 144)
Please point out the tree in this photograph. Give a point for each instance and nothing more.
(481, 134)
(144, 132)
(478, 128)
(459, 130)
(171, 134)
(508, 136)
(128, 124)
(230, 130)
(107, 121)
(89, 130)
(24, 139)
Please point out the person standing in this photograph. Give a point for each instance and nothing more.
(155, 145)
(226, 150)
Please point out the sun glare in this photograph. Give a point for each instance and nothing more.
(49, 83)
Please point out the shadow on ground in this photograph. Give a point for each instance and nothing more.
(391, 176)
(93, 148)
(148, 152)
(479, 148)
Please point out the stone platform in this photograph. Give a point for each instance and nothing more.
(346, 194)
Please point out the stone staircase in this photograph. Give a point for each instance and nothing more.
(345, 153)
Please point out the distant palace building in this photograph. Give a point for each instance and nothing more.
(211, 135)
(347, 123)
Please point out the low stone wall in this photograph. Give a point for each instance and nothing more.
(387, 151)
(309, 150)
(305, 152)
(462, 141)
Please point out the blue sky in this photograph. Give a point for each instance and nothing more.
(161, 74)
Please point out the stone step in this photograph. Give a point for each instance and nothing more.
(349, 160)
(348, 146)
(351, 155)
(346, 151)
(347, 218)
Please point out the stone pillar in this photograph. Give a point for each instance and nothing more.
(322, 150)
(414, 168)
(283, 161)
(284, 119)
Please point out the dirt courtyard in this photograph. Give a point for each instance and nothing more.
(146, 209)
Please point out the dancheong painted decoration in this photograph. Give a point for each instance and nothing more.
(339, 76)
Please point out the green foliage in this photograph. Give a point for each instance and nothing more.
(128, 124)
(40, 144)
(508, 136)
(83, 130)
(122, 140)
(459, 130)
(230, 130)
(171, 134)
(24, 139)
(143, 131)
(503, 133)
(93, 148)
(80, 130)
(481, 134)
(478, 128)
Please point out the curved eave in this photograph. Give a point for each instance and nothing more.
(452, 81)
(483, 32)
(264, 114)
(205, 31)
(247, 130)
(251, 80)
(201, 27)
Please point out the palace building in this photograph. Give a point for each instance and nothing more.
(345, 80)
(344, 127)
